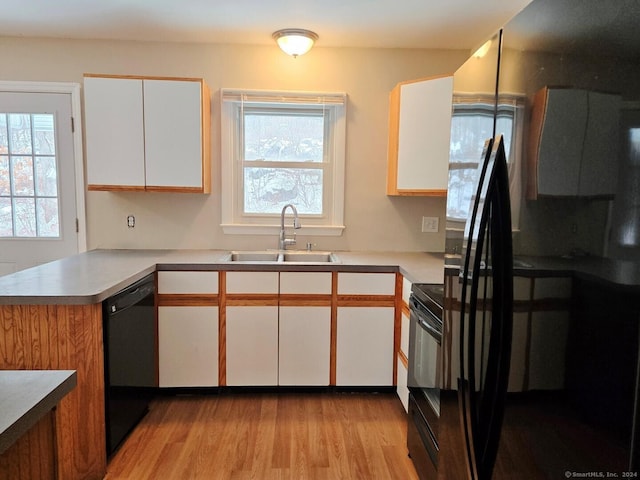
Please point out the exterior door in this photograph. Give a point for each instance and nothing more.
(38, 211)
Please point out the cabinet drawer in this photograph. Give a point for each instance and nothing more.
(252, 282)
(552, 288)
(188, 282)
(366, 283)
(305, 282)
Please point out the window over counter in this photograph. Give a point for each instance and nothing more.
(280, 148)
(471, 125)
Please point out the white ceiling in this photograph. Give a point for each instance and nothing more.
(339, 23)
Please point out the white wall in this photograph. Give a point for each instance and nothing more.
(373, 220)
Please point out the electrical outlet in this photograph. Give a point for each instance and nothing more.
(131, 221)
(430, 224)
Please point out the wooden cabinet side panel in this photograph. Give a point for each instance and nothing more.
(394, 134)
(64, 337)
(32, 457)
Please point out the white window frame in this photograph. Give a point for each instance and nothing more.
(331, 222)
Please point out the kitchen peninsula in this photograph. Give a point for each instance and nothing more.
(51, 318)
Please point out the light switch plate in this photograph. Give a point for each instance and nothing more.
(430, 224)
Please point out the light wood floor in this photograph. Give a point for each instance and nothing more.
(263, 436)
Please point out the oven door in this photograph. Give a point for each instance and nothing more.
(424, 376)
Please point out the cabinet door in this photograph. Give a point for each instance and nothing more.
(364, 354)
(114, 128)
(305, 340)
(419, 137)
(599, 171)
(560, 140)
(252, 346)
(188, 346)
(402, 390)
(173, 133)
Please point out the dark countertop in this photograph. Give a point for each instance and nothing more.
(26, 396)
(624, 274)
(93, 276)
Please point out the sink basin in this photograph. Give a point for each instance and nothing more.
(286, 256)
(309, 257)
(261, 256)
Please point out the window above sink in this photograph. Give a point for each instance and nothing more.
(282, 148)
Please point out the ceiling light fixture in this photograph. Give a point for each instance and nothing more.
(295, 41)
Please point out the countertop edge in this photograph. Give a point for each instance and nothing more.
(35, 412)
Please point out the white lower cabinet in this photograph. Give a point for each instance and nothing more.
(364, 355)
(188, 346)
(305, 342)
(252, 346)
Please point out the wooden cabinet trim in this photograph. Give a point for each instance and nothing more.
(403, 358)
(418, 193)
(397, 325)
(334, 329)
(143, 77)
(304, 300)
(251, 299)
(366, 300)
(222, 329)
(187, 299)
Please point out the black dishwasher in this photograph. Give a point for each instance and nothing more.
(129, 358)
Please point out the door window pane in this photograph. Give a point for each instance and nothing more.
(6, 222)
(29, 203)
(5, 184)
(20, 133)
(43, 135)
(46, 177)
(47, 215)
(24, 213)
(22, 176)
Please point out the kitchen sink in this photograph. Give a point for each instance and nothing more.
(286, 256)
(309, 257)
(261, 256)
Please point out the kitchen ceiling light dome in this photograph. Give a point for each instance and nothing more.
(295, 41)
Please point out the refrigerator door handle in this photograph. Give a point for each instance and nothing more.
(483, 400)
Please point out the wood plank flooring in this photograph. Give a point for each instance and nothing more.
(263, 436)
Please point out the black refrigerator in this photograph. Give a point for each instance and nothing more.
(539, 364)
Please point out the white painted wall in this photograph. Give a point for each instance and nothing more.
(373, 220)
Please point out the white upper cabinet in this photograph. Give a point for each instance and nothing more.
(573, 144)
(419, 134)
(114, 132)
(173, 133)
(147, 134)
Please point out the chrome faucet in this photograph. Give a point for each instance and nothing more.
(284, 241)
